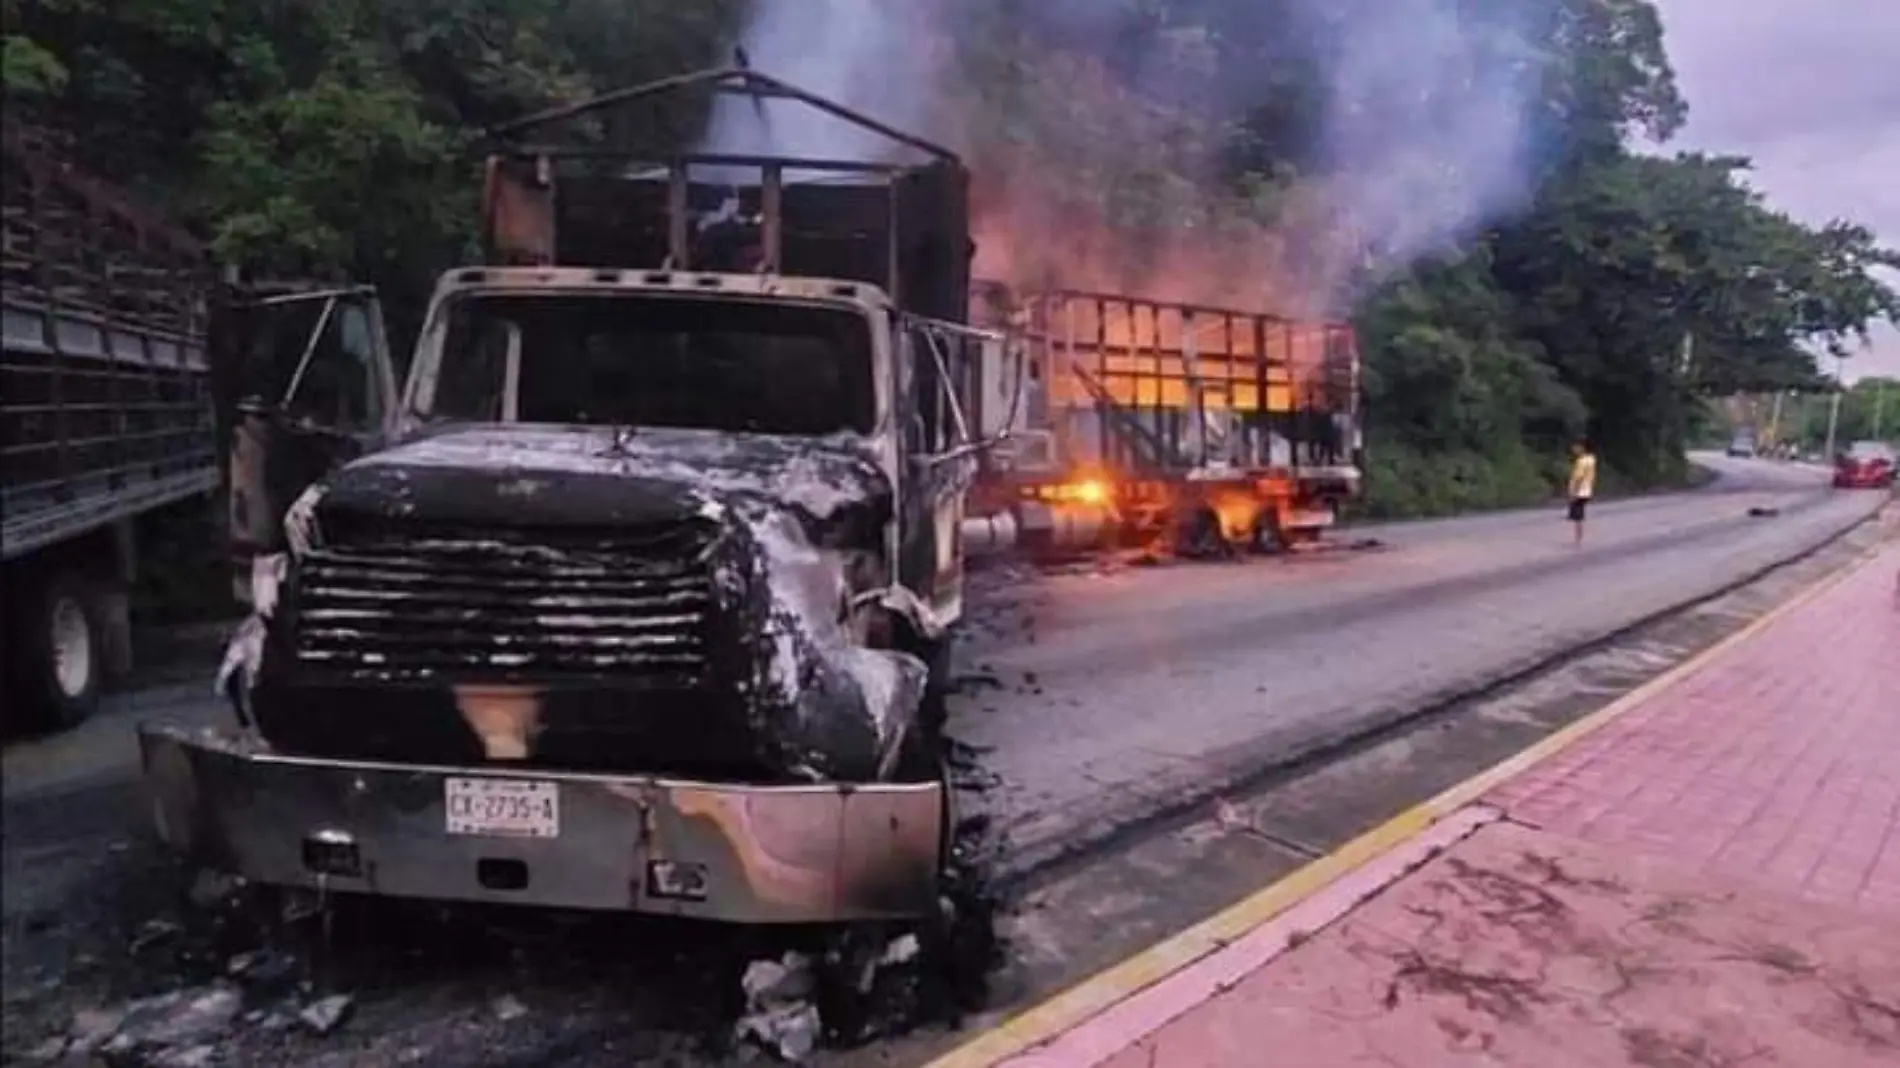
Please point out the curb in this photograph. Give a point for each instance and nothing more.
(1106, 990)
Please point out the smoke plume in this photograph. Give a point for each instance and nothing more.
(873, 56)
(1099, 134)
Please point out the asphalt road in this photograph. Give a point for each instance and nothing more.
(1127, 692)
(1097, 700)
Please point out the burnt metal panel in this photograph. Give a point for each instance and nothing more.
(763, 854)
(624, 632)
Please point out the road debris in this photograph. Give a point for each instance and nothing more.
(163, 1030)
(507, 1007)
(902, 950)
(262, 968)
(194, 1057)
(49, 1051)
(212, 889)
(152, 933)
(92, 1027)
(789, 1031)
(186, 1018)
(326, 1014)
(779, 1014)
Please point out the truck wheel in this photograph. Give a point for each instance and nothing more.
(1266, 535)
(1200, 536)
(66, 654)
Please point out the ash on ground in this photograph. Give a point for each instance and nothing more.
(857, 984)
(117, 957)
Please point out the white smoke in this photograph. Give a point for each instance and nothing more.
(1427, 133)
(1424, 135)
(872, 56)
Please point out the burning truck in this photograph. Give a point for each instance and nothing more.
(638, 594)
(1172, 427)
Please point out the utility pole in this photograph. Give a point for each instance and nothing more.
(1834, 404)
(1774, 419)
(1880, 404)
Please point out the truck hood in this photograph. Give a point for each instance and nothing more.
(817, 705)
(582, 475)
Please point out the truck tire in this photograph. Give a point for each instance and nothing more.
(65, 656)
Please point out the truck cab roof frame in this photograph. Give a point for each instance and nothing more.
(739, 81)
(900, 224)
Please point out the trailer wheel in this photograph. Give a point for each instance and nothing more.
(65, 654)
(1200, 536)
(1272, 536)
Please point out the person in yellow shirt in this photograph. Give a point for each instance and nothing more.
(1583, 485)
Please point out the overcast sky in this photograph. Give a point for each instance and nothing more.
(1810, 90)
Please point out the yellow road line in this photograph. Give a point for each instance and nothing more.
(1050, 1018)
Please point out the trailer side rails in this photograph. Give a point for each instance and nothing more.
(105, 415)
(1198, 428)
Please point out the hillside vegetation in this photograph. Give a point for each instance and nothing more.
(1480, 184)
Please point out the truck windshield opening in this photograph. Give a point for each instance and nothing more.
(703, 363)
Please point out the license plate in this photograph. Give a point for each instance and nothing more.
(504, 808)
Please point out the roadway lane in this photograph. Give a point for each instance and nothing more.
(1127, 692)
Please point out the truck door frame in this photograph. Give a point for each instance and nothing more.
(270, 452)
(940, 445)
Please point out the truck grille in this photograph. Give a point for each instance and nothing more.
(438, 604)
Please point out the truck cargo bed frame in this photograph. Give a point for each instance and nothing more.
(899, 223)
(1156, 377)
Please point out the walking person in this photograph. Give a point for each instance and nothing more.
(1583, 485)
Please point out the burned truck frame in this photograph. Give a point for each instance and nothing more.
(639, 595)
(1172, 425)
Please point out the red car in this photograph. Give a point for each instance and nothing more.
(1865, 465)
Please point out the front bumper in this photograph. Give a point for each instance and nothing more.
(717, 851)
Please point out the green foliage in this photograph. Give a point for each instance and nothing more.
(27, 69)
(1635, 285)
(1870, 408)
(329, 138)
(1403, 481)
(333, 137)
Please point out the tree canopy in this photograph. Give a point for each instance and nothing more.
(1480, 184)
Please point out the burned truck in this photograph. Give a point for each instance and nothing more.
(639, 595)
(1179, 428)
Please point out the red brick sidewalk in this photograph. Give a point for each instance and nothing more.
(1711, 879)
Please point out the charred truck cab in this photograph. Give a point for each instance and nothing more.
(639, 595)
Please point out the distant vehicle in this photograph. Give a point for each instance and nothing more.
(1742, 445)
(1865, 465)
